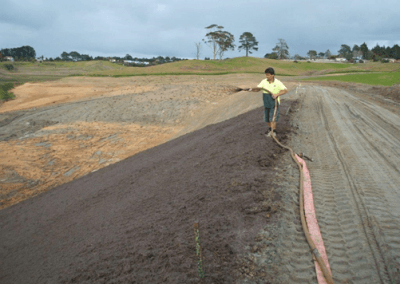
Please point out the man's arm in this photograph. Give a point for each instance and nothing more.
(258, 89)
(280, 93)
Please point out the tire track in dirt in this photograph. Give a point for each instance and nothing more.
(354, 184)
(361, 210)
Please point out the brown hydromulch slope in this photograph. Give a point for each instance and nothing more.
(132, 222)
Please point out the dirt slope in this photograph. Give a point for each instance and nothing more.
(102, 121)
(132, 222)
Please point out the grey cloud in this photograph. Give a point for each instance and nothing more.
(157, 27)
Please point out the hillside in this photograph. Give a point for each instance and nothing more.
(33, 72)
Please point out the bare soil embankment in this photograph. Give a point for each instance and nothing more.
(133, 221)
(57, 131)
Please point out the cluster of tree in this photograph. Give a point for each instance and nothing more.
(151, 61)
(22, 53)
(280, 51)
(221, 41)
(359, 52)
(313, 54)
(380, 52)
(75, 56)
(377, 53)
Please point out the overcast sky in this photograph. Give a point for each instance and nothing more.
(147, 28)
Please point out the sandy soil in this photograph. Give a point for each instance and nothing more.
(78, 125)
(70, 89)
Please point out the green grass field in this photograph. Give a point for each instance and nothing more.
(384, 78)
(36, 72)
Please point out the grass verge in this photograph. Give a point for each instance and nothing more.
(383, 79)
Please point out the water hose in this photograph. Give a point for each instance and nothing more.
(314, 250)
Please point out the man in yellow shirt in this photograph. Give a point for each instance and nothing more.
(272, 89)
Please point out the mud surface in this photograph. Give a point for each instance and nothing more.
(132, 222)
(78, 125)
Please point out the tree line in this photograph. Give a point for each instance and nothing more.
(221, 41)
(362, 52)
(23, 53)
(27, 53)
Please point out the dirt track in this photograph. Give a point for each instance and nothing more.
(355, 142)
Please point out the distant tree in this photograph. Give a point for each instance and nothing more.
(345, 51)
(365, 51)
(160, 60)
(86, 57)
(328, 53)
(65, 56)
(396, 51)
(281, 49)
(388, 52)
(312, 54)
(212, 38)
(75, 55)
(25, 52)
(248, 43)
(198, 49)
(272, 55)
(378, 53)
(225, 42)
(298, 57)
(376, 57)
(128, 57)
(219, 41)
(321, 55)
(356, 51)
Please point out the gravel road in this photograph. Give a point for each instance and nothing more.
(355, 144)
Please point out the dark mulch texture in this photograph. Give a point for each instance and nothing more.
(132, 222)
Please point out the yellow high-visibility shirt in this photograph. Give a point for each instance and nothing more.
(275, 87)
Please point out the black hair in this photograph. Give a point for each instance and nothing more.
(270, 70)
